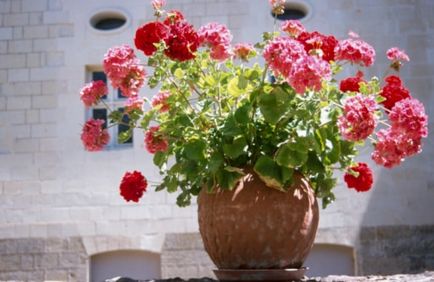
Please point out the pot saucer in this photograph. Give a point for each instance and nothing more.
(269, 275)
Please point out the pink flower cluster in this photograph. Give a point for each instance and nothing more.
(160, 101)
(242, 51)
(218, 38)
(403, 139)
(293, 27)
(355, 51)
(133, 103)
(395, 54)
(358, 120)
(154, 142)
(92, 92)
(94, 136)
(319, 44)
(124, 70)
(287, 57)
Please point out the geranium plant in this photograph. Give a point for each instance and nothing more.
(219, 112)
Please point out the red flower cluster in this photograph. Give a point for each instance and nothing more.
(133, 103)
(155, 142)
(179, 36)
(94, 136)
(358, 120)
(355, 51)
(124, 70)
(352, 84)
(150, 34)
(173, 17)
(394, 91)
(133, 185)
(92, 92)
(314, 41)
(364, 179)
(182, 41)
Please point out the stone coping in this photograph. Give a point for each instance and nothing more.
(427, 276)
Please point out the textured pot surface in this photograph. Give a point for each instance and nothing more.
(257, 227)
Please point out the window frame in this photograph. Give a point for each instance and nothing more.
(115, 101)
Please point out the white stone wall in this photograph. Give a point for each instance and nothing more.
(51, 187)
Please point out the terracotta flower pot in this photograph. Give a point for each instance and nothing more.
(257, 227)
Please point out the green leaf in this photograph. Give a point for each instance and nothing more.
(230, 127)
(233, 87)
(291, 155)
(236, 149)
(125, 136)
(183, 199)
(116, 116)
(314, 164)
(147, 117)
(242, 82)
(172, 184)
(269, 172)
(215, 162)
(273, 106)
(227, 178)
(179, 73)
(159, 158)
(195, 150)
(242, 114)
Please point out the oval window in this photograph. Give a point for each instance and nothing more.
(293, 11)
(108, 20)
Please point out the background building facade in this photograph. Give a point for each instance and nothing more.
(61, 217)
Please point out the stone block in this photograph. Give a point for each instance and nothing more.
(27, 262)
(39, 74)
(8, 246)
(55, 59)
(46, 261)
(33, 60)
(13, 117)
(49, 145)
(34, 5)
(37, 31)
(5, 6)
(56, 17)
(16, 19)
(42, 45)
(20, 46)
(18, 103)
(5, 33)
(45, 102)
(16, 75)
(43, 130)
(26, 145)
(17, 32)
(49, 115)
(12, 61)
(3, 47)
(9, 262)
(36, 18)
(55, 5)
(61, 30)
(54, 87)
(27, 88)
(48, 172)
(16, 6)
(56, 275)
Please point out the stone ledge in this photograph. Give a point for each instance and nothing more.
(427, 276)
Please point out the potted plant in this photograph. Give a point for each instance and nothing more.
(258, 142)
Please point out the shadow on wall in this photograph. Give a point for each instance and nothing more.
(134, 264)
(328, 259)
